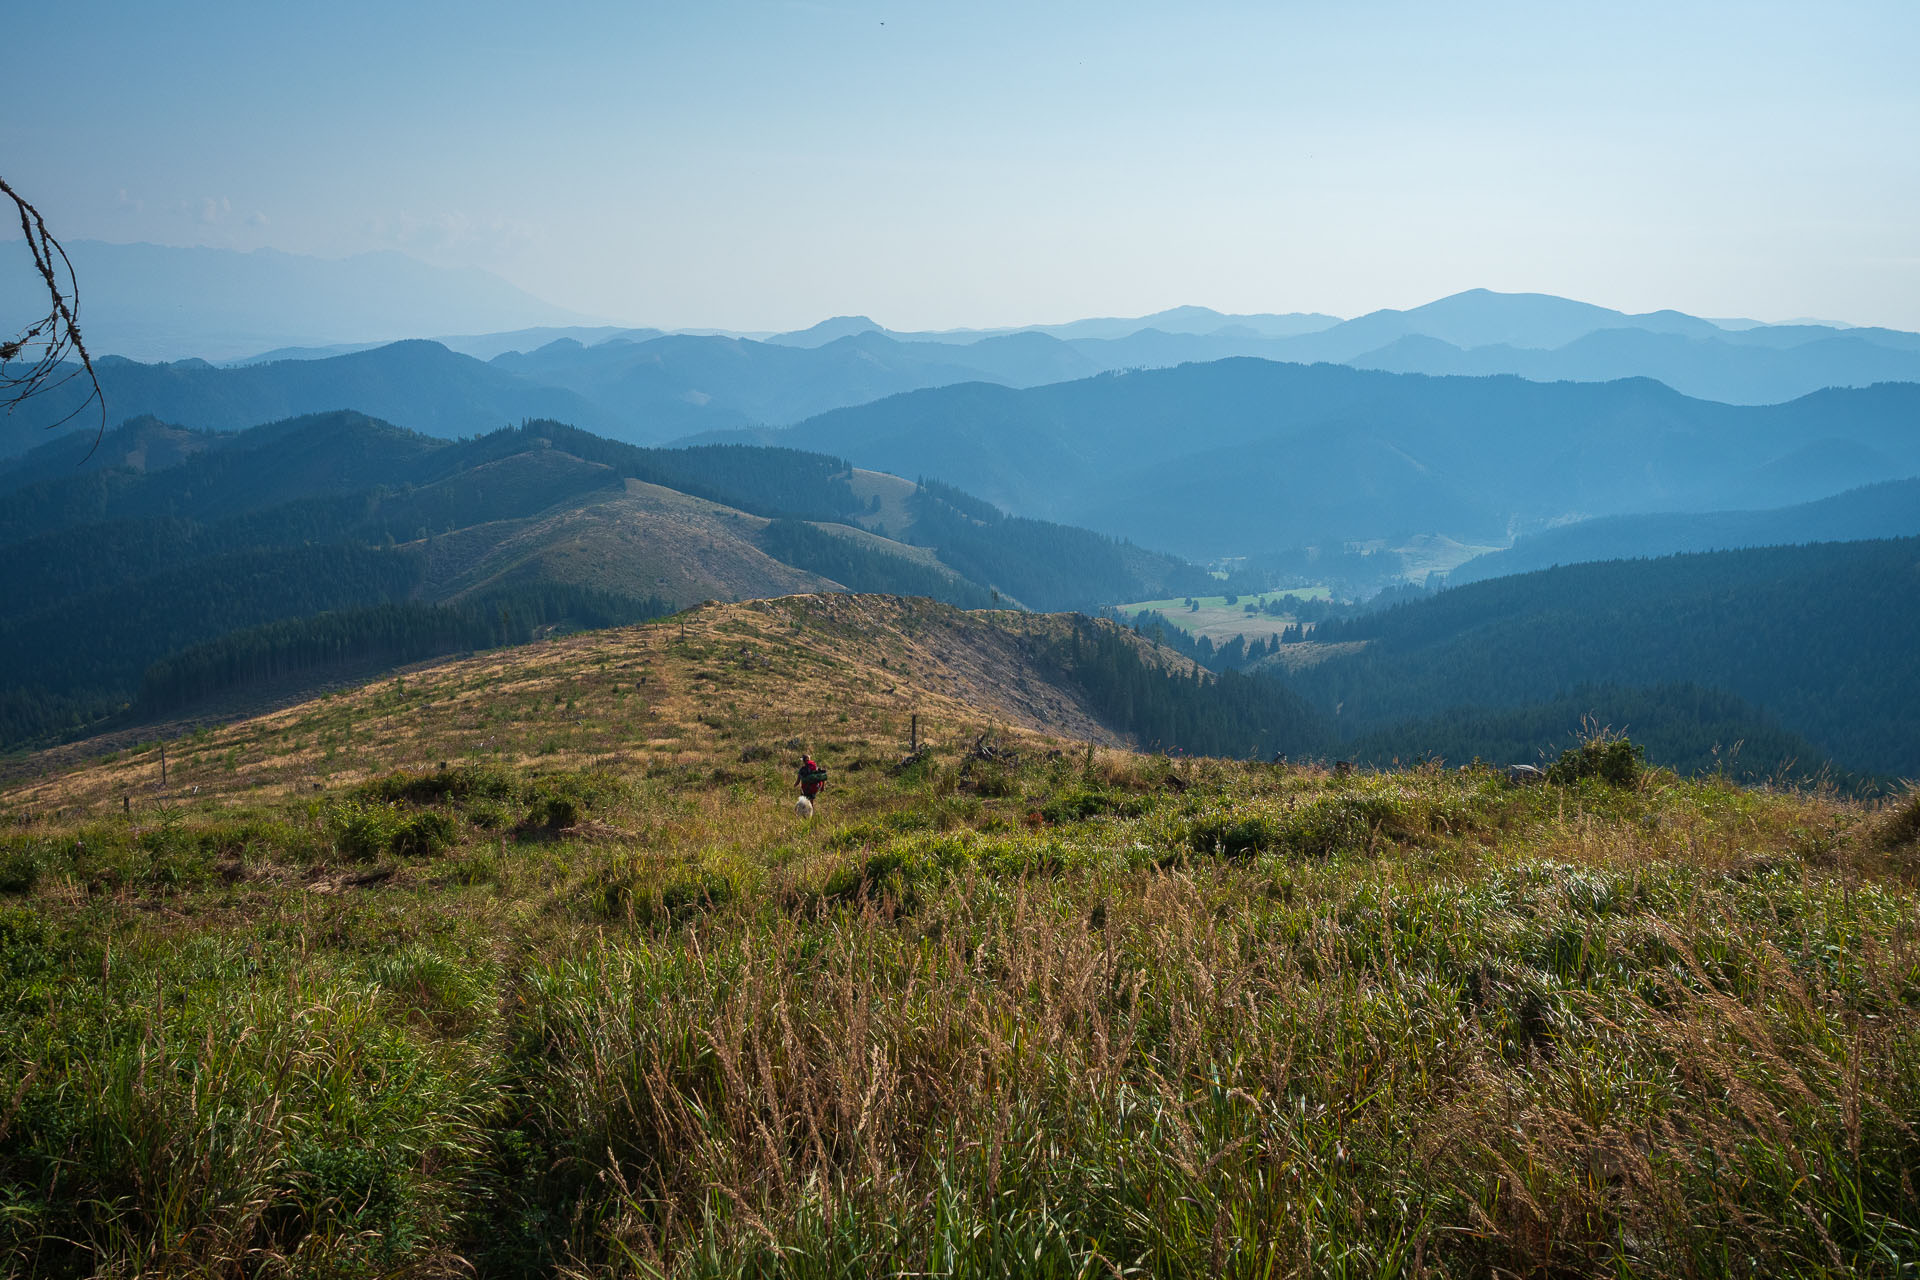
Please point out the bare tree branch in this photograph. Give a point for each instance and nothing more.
(34, 361)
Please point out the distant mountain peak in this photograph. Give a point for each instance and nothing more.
(1528, 321)
(826, 331)
(1186, 313)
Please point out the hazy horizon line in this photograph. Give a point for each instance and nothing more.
(827, 315)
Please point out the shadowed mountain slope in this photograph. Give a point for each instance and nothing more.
(1887, 510)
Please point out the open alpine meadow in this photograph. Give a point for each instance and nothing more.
(1009, 1003)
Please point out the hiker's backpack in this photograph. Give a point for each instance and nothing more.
(814, 776)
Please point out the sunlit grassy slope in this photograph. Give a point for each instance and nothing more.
(1219, 620)
(590, 999)
(838, 674)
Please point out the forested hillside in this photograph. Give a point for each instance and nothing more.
(177, 564)
(1820, 639)
(1680, 726)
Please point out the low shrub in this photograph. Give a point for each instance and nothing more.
(562, 800)
(361, 832)
(985, 778)
(644, 895)
(1235, 833)
(1899, 827)
(1337, 822)
(898, 873)
(423, 835)
(1615, 761)
(916, 768)
(366, 832)
(19, 868)
(694, 892)
(884, 827)
(1078, 803)
(466, 782)
(26, 944)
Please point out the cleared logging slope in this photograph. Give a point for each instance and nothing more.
(822, 671)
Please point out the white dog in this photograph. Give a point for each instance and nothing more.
(803, 807)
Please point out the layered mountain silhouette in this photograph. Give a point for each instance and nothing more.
(1240, 456)
(1209, 433)
(648, 386)
(418, 383)
(1480, 332)
(1224, 458)
(1723, 366)
(646, 392)
(1190, 321)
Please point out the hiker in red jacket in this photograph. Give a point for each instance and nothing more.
(812, 778)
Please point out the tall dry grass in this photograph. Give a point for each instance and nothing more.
(1087, 1014)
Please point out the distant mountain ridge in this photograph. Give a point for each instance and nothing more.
(646, 389)
(1720, 367)
(146, 301)
(1480, 332)
(1190, 320)
(649, 387)
(1242, 456)
(1890, 509)
(420, 384)
(1231, 457)
(157, 302)
(161, 303)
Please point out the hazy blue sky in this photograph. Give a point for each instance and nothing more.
(764, 165)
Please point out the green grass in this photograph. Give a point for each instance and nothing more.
(1178, 604)
(1062, 1017)
(1218, 620)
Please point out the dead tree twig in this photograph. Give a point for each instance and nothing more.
(36, 360)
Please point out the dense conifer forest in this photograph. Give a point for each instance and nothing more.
(1194, 713)
(1820, 638)
(1684, 727)
(384, 633)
